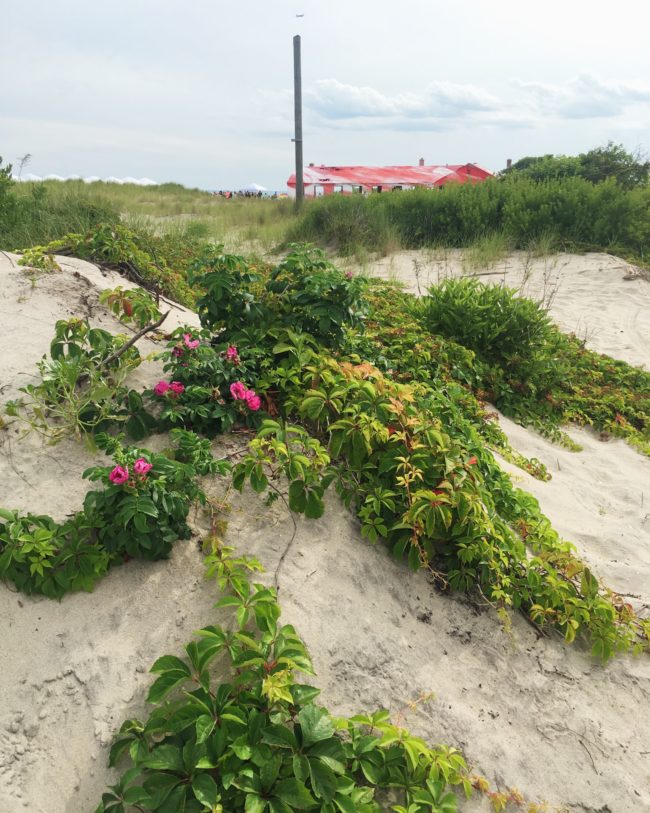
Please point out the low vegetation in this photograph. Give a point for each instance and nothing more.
(345, 384)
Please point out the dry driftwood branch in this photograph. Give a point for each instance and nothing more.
(146, 329)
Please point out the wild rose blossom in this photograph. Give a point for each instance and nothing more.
(190, 343)
(253, 401)
(238, 391)
(119, 475)
(141, 466)
(161, 388)
(232, 354)
(177, 351)
(177, 388)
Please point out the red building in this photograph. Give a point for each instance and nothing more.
(322, 180)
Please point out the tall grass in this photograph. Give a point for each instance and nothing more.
(35, 216)
(490, 218)
(50, 209)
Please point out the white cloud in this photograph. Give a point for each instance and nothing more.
(585, 97)
(336, 101)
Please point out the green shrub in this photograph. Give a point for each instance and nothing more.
(492, 320)
(140, 512)
(574, 210)
(304, 293)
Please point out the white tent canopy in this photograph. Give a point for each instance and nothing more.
(254, 187)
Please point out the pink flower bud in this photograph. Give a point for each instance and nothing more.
(238, 391)
(141, 466)
(253, 401)
(119, 475)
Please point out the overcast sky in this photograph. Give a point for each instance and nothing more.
(201, 91)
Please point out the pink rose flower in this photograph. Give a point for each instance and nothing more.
(119, 475)
(161, 388)
(238, 391)
(190, 343)
(141, 466)
(253, 401)
(232, 354)
(177, 351)
(177, 388)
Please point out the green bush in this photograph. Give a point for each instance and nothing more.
(574, 210)
(489, 319)
(140, 512)
(305, 293)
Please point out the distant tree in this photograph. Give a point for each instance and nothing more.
(613, 161)
(597, 165)
(546, 167)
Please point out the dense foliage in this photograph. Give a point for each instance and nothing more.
(603, 163)
(561, 382)
(574, 211)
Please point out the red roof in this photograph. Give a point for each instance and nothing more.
(368, 177)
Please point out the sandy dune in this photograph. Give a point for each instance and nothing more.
(528, 712)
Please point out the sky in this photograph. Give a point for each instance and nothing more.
(200, 92)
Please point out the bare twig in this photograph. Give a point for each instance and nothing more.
(11, 259)
(276, 575)
(147, 329)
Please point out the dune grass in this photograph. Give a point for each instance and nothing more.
(49, 209)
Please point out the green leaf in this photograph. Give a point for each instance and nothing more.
(204, 727)
(164, 758)
(297, 496)
(135, 795)
(315, 724)
(254, 804)
(315, 506)
(323, 780)
(205, 789)
(295, 794)
(164, 684)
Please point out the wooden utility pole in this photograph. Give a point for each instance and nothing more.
(297, 102)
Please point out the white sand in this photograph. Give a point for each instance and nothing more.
(528, 712)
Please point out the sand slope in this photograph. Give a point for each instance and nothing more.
(602, 299)
(528, 712)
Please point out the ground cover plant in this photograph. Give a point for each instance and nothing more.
(246, 735)
(82, 382)
(350, 385)
(414, 468)
(406, 446)
(544, 379)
